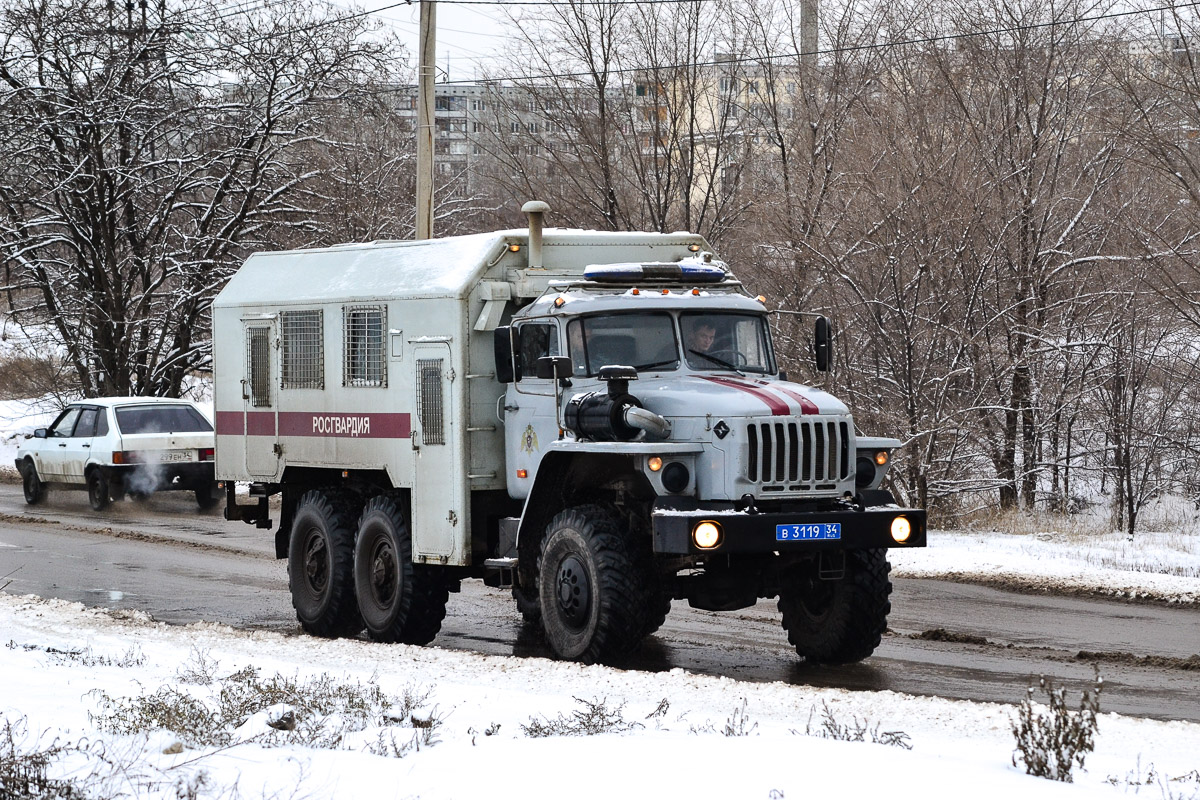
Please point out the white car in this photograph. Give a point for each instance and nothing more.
(117, 445)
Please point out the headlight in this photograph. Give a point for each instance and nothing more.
(706, 535)
(901, 529)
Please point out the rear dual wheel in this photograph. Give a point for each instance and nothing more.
(321, 565)
(399, 601)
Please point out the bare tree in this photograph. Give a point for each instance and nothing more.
(146, 154)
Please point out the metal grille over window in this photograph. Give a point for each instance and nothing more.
(258, 367)
(364, 363)
(302, 365)
(429, 400)
(798, 455)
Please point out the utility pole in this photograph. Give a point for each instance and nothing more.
(808, 36)
(425, 93)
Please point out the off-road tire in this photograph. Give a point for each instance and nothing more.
(97, 489)
(321, 564)
(658, 605)
(839, 621)
(35, 490)
(592, 589)
(399, 601)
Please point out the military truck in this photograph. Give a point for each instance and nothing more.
(597, 420)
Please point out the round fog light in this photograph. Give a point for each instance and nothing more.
(675, 477)
(655, 463)
(706, 535)
(901, 529)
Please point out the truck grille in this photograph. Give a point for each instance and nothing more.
(798, 455)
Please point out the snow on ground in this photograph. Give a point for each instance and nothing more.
(688, 736)
(1156, 565)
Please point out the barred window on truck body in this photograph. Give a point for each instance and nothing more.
(364, 362)
(429, 400)
(258, 365)
(302, 365)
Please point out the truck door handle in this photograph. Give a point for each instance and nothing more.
(62, 444)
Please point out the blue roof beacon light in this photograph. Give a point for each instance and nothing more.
(690, 271)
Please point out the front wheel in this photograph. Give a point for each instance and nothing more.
(837, 621)
(321, 565)
(400, 601)
(97, 485)
(591, 589)
(35, 490)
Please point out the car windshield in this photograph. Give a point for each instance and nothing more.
(719, 341)
(161, 419)
(643, 341)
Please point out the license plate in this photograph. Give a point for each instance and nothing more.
(177, 455)
(808, 532)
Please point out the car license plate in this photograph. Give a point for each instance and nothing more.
(808, 532)
(177, 455)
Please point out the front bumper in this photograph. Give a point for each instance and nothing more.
(745, 532)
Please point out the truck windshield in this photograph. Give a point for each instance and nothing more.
(643, 341)
(717, 341)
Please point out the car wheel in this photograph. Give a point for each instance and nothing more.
(207, 497)
(35, 490)
(97, 485)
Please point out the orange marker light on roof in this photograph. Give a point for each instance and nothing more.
(666, 291)
(636, 291)
(514, 248)
(559, 302)
(695, 248)
(761, 299)
(695, 292)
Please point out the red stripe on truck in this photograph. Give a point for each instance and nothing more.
(353, 425)
(778, 407)
(340, 425)
(231, 423)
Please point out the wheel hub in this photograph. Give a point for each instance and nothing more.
(316, 563)
(574, 592)
(383, 573)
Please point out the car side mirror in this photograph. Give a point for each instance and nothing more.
(40, 433)
(556, 367)
(506, 345)
(822, 341)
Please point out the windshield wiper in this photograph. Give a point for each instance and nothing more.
(720, 361)
(654, 364)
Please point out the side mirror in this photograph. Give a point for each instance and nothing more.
(555, 367)
(505, 345)
(40, 433)
(822, 343)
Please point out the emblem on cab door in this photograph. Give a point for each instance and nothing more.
(529, 440)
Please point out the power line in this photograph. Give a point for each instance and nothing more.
(949, 37)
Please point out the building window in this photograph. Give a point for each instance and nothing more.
(363, 361)
(640, 90)
(302, 364)
(515, 127)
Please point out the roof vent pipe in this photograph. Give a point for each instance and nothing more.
(534, 209)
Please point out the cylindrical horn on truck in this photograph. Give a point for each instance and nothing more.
(534, 209)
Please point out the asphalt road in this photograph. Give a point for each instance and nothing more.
(163, 557)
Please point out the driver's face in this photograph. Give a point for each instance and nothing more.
(703, 337)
